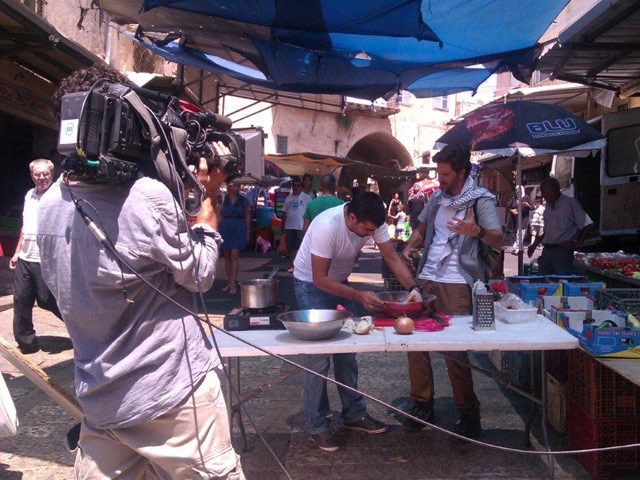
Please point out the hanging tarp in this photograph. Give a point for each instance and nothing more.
(364, 49)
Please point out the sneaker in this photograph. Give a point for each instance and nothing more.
(325, 441)
(366, 424)
(468, 424)
(421, 410)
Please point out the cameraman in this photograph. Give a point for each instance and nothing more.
(143, 367)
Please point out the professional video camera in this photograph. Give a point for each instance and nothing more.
(112, 131)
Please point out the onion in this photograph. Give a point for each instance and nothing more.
(403, 325)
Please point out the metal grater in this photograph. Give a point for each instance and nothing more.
(483, 314)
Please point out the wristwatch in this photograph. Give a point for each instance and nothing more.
(481, 233)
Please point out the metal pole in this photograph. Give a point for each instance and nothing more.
(519, 188)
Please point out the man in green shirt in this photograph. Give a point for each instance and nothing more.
(326, 199)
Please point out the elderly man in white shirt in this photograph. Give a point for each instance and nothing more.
(28, 285)
(566, 225)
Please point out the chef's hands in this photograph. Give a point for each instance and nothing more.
(407, 255)
(370, 300)
(462, 226)
(415, 295)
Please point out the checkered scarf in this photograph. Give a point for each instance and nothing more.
(470, 193)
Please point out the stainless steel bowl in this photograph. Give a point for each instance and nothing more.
(314, 324)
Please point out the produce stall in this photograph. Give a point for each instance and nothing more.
(617, 270)
(600, 383)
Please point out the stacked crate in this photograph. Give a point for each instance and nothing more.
(603, 410)
(523, 369)
(624, 299)
(391, 284)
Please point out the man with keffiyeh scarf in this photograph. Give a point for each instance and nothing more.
(451, 230)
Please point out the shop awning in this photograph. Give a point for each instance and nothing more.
(34, 57)
(319, 164)
(601, 49)
(572, 96)
(30, 41)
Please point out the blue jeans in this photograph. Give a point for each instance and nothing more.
(345, 368)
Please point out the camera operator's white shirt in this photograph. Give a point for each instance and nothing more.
(329, 237)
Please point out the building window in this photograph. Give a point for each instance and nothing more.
(441, 103)
(281, 144)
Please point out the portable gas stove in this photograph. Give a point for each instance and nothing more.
(242, 318)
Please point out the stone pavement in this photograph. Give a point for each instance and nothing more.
(38, 453)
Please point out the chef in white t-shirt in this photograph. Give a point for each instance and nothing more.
(321, 269)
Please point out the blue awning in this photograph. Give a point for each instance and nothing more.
(365, 49)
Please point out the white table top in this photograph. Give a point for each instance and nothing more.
(459, 336)
(283, 343)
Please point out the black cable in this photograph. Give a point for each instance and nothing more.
(102, 238)
(225, 369)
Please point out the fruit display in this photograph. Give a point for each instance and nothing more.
(619, 262)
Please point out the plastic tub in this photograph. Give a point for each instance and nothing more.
(263, 215)
(514, 315)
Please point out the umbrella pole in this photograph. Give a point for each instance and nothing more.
(519, 220)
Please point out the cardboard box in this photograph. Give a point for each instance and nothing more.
(554, 304)
(611, 342)
(556, 404)
(570, 289)
(498, 360)
(529, 291)
(572, 320)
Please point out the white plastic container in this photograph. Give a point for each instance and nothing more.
(515, 315)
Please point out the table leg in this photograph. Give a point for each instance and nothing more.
(545, 435)
(533, 407)
(233, 409)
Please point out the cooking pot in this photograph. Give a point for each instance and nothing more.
(259, 293)
(396, 305)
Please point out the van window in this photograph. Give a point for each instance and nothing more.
(563, 170)
(623, 151)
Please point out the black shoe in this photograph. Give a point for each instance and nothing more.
(468, 424)
(366, 424)
(421, 410)
(27, 348)
(325, 441)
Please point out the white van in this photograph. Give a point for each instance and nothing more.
(607, 182)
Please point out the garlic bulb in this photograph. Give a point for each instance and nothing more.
(363, 326)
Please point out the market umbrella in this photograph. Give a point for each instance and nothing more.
(429, 185)
(526, 129)
(426, 185)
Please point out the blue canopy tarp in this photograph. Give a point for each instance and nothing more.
(365, 49)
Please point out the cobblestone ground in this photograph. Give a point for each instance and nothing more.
(38, 453)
